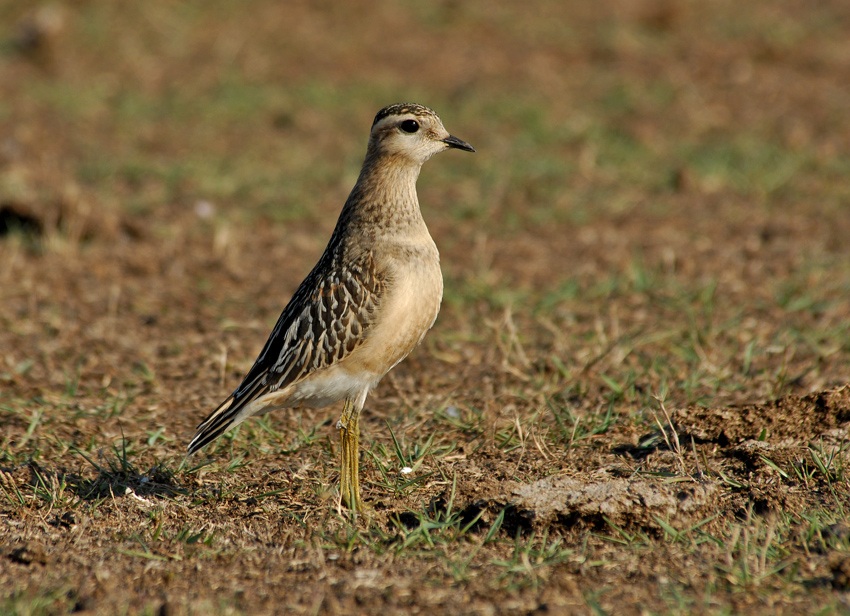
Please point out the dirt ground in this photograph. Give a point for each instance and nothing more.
(634, 400)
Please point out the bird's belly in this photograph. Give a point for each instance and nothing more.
(332, 385)
(406, 314)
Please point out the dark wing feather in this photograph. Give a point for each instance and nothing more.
(328, 317)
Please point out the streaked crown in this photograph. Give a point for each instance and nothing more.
(399, 109)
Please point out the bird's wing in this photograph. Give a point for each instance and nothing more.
(328, 317)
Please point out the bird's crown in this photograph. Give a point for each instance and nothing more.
(402, 109)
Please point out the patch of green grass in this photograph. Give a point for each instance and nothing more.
(691, 537)
(531, 559)
(755, 552)
(573, 426)
(468, 421)
(435, 530)
(118, 473)
(825, 465)
(823, 530)
(262, 436)
(620, 535)
(749, 166)
(41, 602)
(160, 540)
(399, 471)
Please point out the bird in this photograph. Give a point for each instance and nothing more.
(368, 302)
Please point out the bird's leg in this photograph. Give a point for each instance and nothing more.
(349, 435)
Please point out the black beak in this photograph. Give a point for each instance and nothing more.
(454, 142)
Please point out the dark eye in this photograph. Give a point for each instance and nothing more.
(409, 126)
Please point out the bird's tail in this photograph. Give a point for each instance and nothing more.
(218, 422)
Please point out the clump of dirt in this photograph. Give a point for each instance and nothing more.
(800, 418)
(633, 501)
(764, 439)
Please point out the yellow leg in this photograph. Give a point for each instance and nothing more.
(349, 436)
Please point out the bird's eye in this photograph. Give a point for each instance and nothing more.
(409, 126)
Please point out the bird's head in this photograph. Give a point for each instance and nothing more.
(411, 132)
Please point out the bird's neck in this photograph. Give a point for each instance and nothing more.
(384, 196)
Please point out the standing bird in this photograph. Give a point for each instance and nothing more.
(366, 304)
